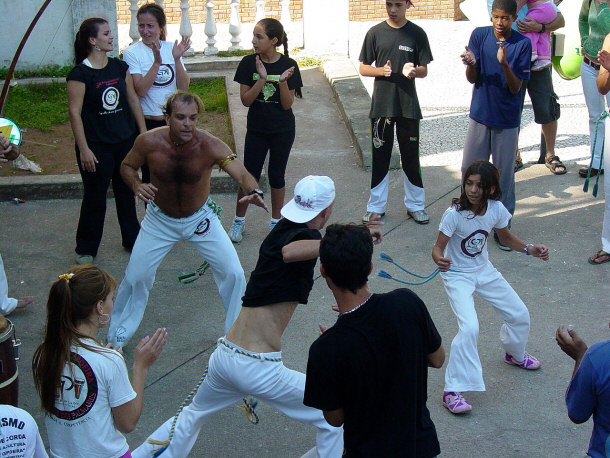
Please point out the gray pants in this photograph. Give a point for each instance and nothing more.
(501, 145)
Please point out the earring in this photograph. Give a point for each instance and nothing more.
(105, 321)
(97, 48)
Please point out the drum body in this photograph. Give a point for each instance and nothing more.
(9, 374)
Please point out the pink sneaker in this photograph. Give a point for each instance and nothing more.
(455, 402)
(529, 362)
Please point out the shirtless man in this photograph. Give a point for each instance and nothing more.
(180, 158)
(249, 359)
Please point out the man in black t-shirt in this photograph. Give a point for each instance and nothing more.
(249, 359)
(369, 371)
(401, 53)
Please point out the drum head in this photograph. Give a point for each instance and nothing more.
(10, 130)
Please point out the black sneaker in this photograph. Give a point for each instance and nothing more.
(500, 244)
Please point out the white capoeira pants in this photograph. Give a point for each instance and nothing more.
(606, 224)
(7, 304)
(157, 236)
(464, 371)
(231, 376)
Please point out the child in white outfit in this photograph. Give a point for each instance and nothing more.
(461, 255)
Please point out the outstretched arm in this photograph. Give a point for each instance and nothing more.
(507, 238)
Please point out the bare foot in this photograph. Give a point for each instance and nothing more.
(24, 301)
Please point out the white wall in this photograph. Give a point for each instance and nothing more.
(326, 26)
(52, 40)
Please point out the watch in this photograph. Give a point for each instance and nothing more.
(257, 191)
(543, 29)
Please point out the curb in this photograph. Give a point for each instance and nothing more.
(354, 103)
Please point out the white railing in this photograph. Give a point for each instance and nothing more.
(210, 29)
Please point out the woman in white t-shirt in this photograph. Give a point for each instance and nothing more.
(461, 255)
(156, 67)
(84, 387)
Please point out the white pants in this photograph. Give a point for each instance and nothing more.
(606, 225)
(7, 304)
(157, 236)
(415, 197)
(231, 376)
(596, 105)
(464, 371)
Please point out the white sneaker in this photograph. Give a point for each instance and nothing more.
(272, 223)
(419, 216)
(236, 233)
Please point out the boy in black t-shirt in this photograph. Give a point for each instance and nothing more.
(401, 53)
(369, 371)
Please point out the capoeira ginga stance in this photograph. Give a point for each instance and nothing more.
(249, 359)
(461, 255)
(180, 158)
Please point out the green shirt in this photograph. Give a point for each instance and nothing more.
(594, 25)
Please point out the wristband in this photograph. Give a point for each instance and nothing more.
(256, 191)
(526, 248)
(543, 29)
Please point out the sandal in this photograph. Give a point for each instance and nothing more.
(599, 258)
(553, 163)
(518, 163)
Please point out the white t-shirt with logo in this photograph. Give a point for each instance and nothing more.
(81, 424)
(468, 233)
(19, 436)
(140, 58)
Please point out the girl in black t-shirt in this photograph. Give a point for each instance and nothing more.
(268, 83)
(106, 117)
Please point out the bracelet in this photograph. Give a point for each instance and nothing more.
(256, 191)
(543, 29)
(526, 248)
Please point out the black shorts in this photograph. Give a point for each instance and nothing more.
(544, 100)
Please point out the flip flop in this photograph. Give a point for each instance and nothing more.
(553, 162)
(600, 254)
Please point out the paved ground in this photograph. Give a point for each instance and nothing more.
(521, 414)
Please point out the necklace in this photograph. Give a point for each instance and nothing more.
(357, 307)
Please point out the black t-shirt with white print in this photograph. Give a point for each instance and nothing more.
(395, 95)
(106, 115)
(266, 113)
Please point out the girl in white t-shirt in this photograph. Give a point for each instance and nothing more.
(156, 67)
(83, 386)
(461, 255)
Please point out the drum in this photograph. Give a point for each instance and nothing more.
(9, 374)
(10, 130)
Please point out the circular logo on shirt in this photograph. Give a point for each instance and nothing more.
(165, 76)
(78, 390)
(110, 98)
(474, 243)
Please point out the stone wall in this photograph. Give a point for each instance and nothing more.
(359, 10)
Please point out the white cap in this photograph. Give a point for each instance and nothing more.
(311, 195)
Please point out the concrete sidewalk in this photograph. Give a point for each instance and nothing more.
(521, 414)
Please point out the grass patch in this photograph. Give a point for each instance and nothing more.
(42, 106)
(213, 93)
(239, 52)
(50, 70)
(37, 106)
(306, 61)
